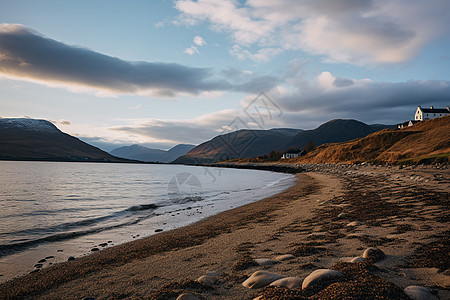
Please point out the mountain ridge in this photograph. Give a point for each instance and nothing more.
(36, 139)
(145, 154)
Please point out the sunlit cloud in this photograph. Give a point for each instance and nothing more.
(350, 31)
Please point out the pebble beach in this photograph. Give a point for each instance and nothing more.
(341, 232)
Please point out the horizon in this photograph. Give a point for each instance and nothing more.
(163, 73)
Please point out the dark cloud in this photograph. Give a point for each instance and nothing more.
(372, 102)
(29, 55)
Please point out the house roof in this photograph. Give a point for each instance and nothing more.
(435, 110)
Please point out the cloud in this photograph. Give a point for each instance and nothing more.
(199, 41)
(350, 31)
(191, 50)
(262, 55)
(27, 55)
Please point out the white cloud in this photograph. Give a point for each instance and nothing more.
(351, 31)
(191, 50)
(199, 41)
(262, 55)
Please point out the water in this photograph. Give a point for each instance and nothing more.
(64, 209)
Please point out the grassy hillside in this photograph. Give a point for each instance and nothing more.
(427, 141)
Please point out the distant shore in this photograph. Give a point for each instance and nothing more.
(332, 214)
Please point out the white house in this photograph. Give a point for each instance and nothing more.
(423, 114)
(293, 154)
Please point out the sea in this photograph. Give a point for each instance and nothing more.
(54, 211)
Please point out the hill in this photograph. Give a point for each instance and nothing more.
(334, 131)
(238, 144)
(427, 141)
(254, 143)
(142, 153)
(31, 139)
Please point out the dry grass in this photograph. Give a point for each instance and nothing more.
(427, 141)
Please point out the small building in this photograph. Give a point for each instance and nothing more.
(293, 154)
(423, 114)
(407, 124)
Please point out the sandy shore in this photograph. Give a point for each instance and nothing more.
(330, 216)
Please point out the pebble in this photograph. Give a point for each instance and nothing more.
(187, 296)
(212, 273)
(319, 274)
(265, 261)
(71, 258)
(354, 223)
(50, 257)
(95, 249)
(206, 280)
(103, 244)
(373, 254)
(284, 257)
(288, 282)
(342, 216)
(42, 260)
(357, 259)
(416, 292)
(38, 265)
(158, 230)
(261, 279)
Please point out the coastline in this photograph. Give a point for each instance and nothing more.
(303, 214)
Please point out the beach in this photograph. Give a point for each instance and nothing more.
(331, 215)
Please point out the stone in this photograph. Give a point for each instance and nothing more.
(373, 254)
(38, 266)
(354, 223)
(261, 279)
(357, 259)
(288, 282)
(50, 257)
(416, 292)
(42, 260)
(71, 258)
(284, 257)
(206, 280)
(212, 274)
(158, 230)
(342, 216)
(95, 249)
(188, 296)
(318, 275)
(265, 261)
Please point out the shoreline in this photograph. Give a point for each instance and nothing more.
(267, 228)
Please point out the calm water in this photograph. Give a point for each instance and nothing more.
(66, 208)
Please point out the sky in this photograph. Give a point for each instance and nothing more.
(162, 72)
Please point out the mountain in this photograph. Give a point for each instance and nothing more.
(335, 131)
(31, 139)
(238, 144)
(424, 142)
(253, 143)
(142, 153)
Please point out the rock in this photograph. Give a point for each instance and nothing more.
(206, 280)
(187, 296)
(373, 254)
(103, 244)
(265, 261)
(318, 275)
(354, 223)
(95, 249)
(158, 230)
(71, 258)
(357, 259)
(42, 260)
(416, 292)
(288, 282)
(38, 266)
(261, 279)
(342, 216)
(50, 257)
(284, 257)
(212, 274)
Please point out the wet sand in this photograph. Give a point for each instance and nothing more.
(330, 216)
